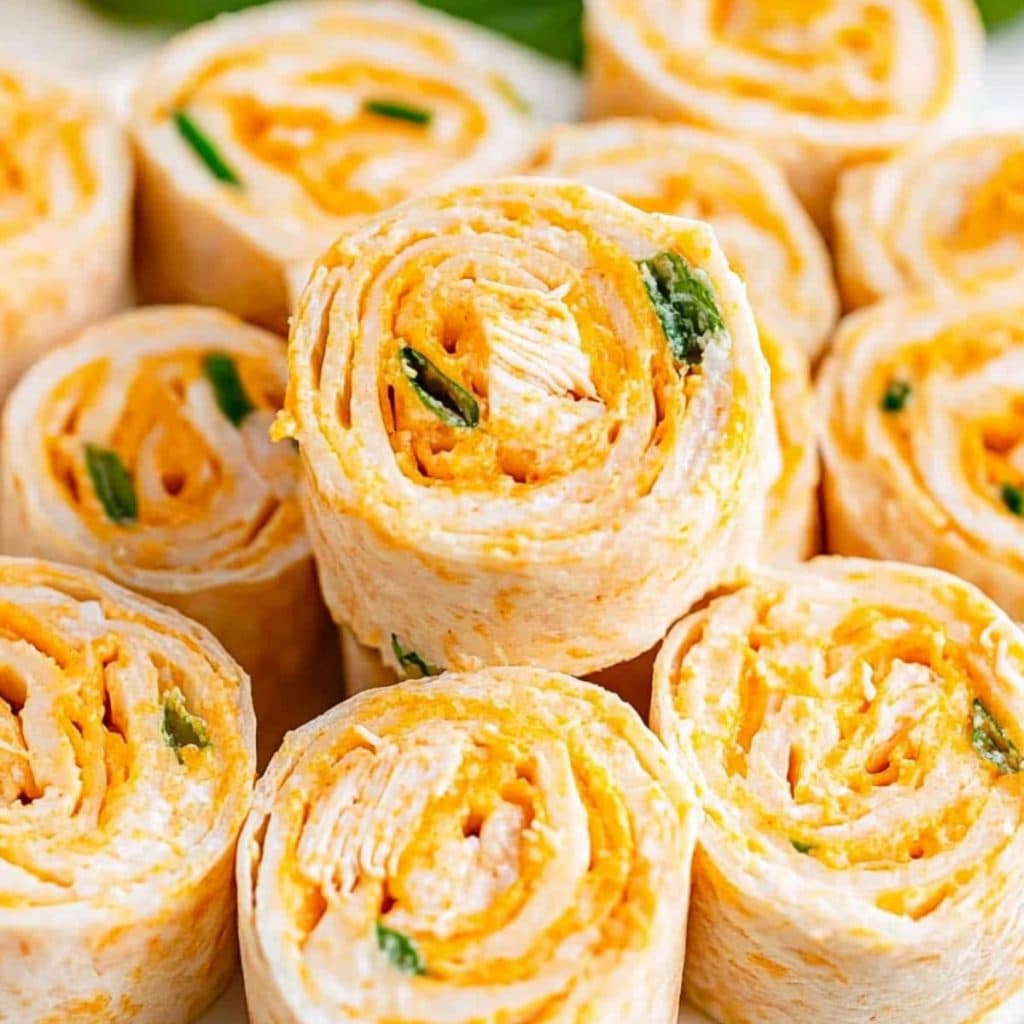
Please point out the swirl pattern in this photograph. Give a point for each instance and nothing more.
(509, 845)
(819, 84)
(141, 449)
(263, 134)
(769, 241)
(946, 215)
(65, 201)
(127, 756)
(921, 431)
(854, 728)
(524, 408)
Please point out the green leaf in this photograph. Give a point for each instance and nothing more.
(685, 304)
(991, 743)
(398, 111)
(897, 393)
(998, 12)
(222, 373)
(400, 950)
(169, 12)
(448, 400)
(414, 666)
(205, 149)
(552, 27)
(179, 727)
(801, 847)
(112, 483)
(1013, 498)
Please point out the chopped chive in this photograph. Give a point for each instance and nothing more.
(398, 111)
(400, 950)
(509, 91)
(222, 373)
(179, 727)
(896, 394)
(112, 483)
(205, 149)
(991, 743)
(685, 303)
(1013, 498)
(449, 401)
(413, 665)
(801, 847)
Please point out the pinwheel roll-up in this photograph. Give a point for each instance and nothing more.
(141, 449)
(818, 84)
(766, 234)
(945, 215)
(855, 731)
(127, 756)
(263, 134)
(65, 203)
(922, 406)
(535, 424)
(510, 845)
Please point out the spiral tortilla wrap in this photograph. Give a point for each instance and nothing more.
(945, 215)
(506, 845)
(141, 450)
(854, 728)
(262, 135)
(819, 85)
(921, 430)
(506, 462)
(127, 756)
(65, 203)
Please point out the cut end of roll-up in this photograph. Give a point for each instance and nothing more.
(140, 449)
(535, 424)
(506, 845)
(127, 757)
(262, 135)
(818, 86)
(65, 222)
(921, 435)
(855, 730)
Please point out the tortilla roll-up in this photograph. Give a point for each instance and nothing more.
(944, 215)
(261, 135)
(769, 240)
(140, 449)
(854, 728)
(535, 425)
(127, 757)
(819, 85)
(65, 207)
(767, 236)
(922, 434)
(507, 845)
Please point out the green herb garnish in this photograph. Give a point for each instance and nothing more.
(991, 743)
(801, 847)
(896, 394)
(222, 373)
(449, 401)
(414, 666)
(112, 483)
(179, 727)
(400, 950)
(398, 111)
(1013, 498)
(685, 304)
(204, 149)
